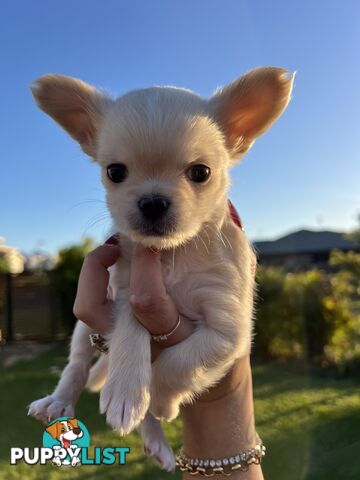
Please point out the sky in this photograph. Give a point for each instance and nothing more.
(303, 173)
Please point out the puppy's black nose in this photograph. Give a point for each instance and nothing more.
(153, 207)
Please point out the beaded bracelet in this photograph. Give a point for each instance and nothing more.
(224, 466)
(99, 342)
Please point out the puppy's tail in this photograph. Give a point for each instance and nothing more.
(98, 374)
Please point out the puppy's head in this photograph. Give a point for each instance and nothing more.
(164, 152)
(68, 428)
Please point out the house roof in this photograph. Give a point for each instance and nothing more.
(306, 241)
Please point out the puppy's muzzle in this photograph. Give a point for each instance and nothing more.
(153, 207)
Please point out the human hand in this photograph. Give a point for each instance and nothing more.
(221, 422)
(148, 298)
(150, 302)
(92, 303)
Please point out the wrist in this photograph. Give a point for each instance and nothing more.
(221, 422)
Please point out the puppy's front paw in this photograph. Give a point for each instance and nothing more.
(48, 408)
(159, 450)
(125, 407)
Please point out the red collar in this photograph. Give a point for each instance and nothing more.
(233, 213)
(235, 216)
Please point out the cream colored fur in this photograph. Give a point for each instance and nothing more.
(207, 261)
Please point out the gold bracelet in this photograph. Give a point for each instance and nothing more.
(225, 466)
(164, 336)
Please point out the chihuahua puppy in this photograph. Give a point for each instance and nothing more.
(164, 155)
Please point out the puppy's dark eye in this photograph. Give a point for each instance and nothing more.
(117, 172)
(198, 173)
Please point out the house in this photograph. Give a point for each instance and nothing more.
(303, 249)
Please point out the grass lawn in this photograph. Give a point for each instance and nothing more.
(311, 426)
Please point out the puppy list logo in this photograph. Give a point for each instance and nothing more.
(66, 436)
(66, 442)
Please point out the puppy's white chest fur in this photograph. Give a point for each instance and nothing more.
(214, 262)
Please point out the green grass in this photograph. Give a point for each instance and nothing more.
(310, 425)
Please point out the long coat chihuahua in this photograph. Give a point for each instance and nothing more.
(164, 155)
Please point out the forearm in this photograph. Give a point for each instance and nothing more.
(210, 435)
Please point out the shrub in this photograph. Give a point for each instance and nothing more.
(343, 347)
(312, 315)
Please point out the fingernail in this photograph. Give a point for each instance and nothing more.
(112, 240)
(288, 75)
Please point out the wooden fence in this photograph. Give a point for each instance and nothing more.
(30, 308)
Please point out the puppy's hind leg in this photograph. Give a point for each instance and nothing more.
(155, 444)
(98, 374)
(61, 403)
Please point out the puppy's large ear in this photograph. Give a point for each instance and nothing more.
(75, 105)
(54, 429)
(248, 106)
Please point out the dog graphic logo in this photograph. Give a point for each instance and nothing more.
(66, 436)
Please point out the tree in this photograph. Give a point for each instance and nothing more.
(4, 264)
(65, 276)
(355, 234)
